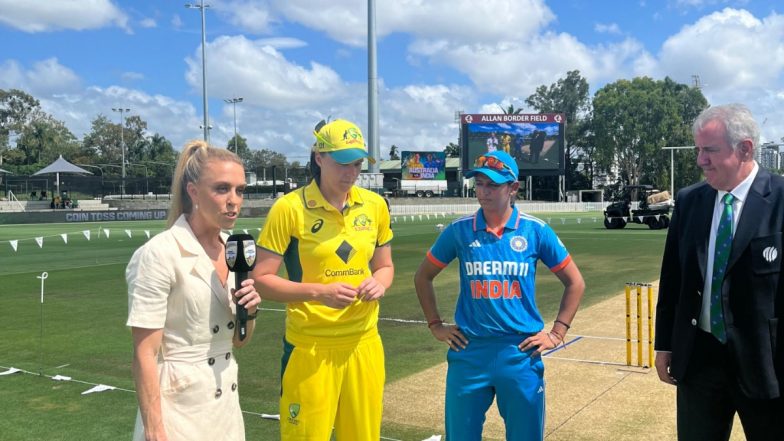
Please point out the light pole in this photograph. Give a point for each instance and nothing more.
(201, 6)
(233, 102)
(672, 165)
(122, 110)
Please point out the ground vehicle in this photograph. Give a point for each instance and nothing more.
(420, 188)
(653, 208)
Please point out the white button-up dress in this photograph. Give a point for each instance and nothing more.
(173, 285)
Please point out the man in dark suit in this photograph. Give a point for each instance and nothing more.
(719, 328)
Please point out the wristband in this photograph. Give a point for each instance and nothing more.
(563, 323)
(434, 322)
(253, 316)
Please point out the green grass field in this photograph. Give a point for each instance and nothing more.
(84, 333)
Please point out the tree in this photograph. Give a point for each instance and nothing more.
(44, 139)
(452, 150)
(17, 110)
(569, 96)
(633, 120)
(511, 110)
(241, 148)
(265, 158)
(394, 152)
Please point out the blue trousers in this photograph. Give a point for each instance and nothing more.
(489, 368)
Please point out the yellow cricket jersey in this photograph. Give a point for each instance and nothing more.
(319, 244)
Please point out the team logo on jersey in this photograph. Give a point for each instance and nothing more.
(317, 226)
(293, 413)
(518, 243)
(311, 203)
(770, 254)
(362, 223)
(345, 251)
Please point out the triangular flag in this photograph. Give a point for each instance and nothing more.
(106, 232)
(245, 230)
(13, 243)
(258, 229)
(548, 220)
(412, 218)
(10, 371)
(147, 233)
(428, 216)
(579, 221)
(563, 221)
(98, 388)
(594, 220)
(231, 232)
(394, 220)
(657, 218)
(128, 232)
(40, 241)
(86, 234)
(420, 217)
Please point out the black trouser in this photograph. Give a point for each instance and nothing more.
(709, 396)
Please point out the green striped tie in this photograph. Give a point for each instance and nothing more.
(721, 255)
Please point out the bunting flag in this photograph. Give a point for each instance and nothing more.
(594, 220)
(579, 221)
(106, 232)
(428, 216)
(128, 232)
(147, 233)
(420, 217)
(10, 371)
(14, 244)
(394, 220)
(98, 388)
(258, 229)
(231, 232)
(245, 231)
(548, 220)
(412, 218)
(65, 237)
(86, 234)
(40, 241)
(563, 221)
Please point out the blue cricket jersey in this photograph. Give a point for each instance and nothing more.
(497, 273)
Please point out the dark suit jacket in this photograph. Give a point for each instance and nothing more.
(752, 294)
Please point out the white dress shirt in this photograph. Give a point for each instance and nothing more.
(739, 193)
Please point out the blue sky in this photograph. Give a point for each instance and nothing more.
(297, 61)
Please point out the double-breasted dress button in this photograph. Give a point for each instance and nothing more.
(233, 387)
(215, 329)
(230, 325)
(228, 355)
(211, 361)
(694, 322)
(218, 393)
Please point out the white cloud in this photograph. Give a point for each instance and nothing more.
(730, 50)
(132, 76)
(148, 23)
(457, 20)
(44, 78)
(262, 75)
(607, 28)
(251, 16)
(53, 15)
(176, 21)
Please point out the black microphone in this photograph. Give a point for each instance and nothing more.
(241, 258)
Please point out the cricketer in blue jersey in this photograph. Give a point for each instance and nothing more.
(496, 343)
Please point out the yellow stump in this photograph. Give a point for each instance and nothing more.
(639, 325)
(650, 325)
(628, 325)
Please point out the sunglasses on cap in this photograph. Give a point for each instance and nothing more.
(492, 162)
